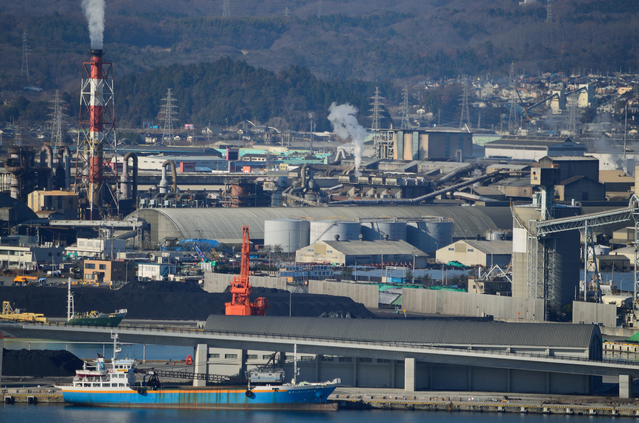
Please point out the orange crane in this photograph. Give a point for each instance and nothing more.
(241, 304)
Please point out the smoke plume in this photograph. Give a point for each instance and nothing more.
(345, 125)
(94, 12)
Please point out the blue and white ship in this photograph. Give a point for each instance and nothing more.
(114, 385)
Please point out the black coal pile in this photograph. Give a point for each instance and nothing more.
(39, 363)
(173, 301)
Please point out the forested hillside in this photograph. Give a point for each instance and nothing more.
(378, 41)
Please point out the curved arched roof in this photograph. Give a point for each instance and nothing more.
(435, 331)
(225, 224)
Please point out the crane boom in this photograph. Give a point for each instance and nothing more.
(240, 304)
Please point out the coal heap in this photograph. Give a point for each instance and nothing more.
(39, 363)
(173, 301)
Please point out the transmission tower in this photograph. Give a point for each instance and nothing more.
(512, 117)
(377, 110)
(286, 12)
(169, 113)
(548, 11)
(226, 9)
(25, 56)
(56, 120)
(465, 115)
(319, 9)
(573, 118)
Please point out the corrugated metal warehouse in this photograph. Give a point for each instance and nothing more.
(225, 224)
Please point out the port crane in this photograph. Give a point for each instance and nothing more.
(241, 304)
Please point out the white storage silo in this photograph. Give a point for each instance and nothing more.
(430, 233)
(326, 230)
(392, 230)
(291, 234)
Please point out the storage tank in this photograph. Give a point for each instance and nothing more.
(290, 234)
(379, 229)
(326, 230)
(430, 233)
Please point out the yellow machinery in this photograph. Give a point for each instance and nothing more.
(8, 313)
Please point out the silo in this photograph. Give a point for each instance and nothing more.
(326, 230)
(392, 230)
(290, 234)
(430, 233)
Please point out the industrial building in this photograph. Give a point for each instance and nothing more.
(108, 271)
(374, 369)
(352, 253)
(224, 224)
(472, 253)
(533, 148)
(65, 203)
(432, 144)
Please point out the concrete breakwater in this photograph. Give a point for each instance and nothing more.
(588, 406)
(46, 395)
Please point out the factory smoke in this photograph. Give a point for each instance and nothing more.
(94, 12)
(345, 125)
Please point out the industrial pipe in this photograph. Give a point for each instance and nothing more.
(472, 197)
(124, 179)
(173, 174)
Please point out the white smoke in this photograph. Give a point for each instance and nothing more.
(345, 125)
(94, 12)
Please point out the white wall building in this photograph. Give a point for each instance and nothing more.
(155, 271)
(97, 248)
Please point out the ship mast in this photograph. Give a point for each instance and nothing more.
(70, 303)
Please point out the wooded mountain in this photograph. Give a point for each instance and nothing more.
(370, 40)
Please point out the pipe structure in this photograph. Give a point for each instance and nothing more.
(421, 198)
(125, 185)
(472, 197)
(173, 175)
(47, 151)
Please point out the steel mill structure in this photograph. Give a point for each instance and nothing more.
(96, 174)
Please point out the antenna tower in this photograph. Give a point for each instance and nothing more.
(512, 117)
(169, 112)
(226, 9)
(405, 113)
(56, 120)
(465, 115)
(25, 56)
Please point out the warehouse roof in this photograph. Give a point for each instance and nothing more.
(491, 247)
(528, 141)
(222, 224)
(433, 331)
(375, 247)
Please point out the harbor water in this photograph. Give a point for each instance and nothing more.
(70, 414)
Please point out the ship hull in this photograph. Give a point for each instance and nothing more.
(302, 397)
(111, 321)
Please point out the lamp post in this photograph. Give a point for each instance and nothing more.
(413, 281)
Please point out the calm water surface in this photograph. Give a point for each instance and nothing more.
(18, 413)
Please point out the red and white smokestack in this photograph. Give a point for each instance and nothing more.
(96, 115)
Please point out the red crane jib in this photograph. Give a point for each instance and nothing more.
(241, 304)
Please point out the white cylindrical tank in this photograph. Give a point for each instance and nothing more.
(327, 230)
(290, 234)
(430, 233)
(384, 229)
